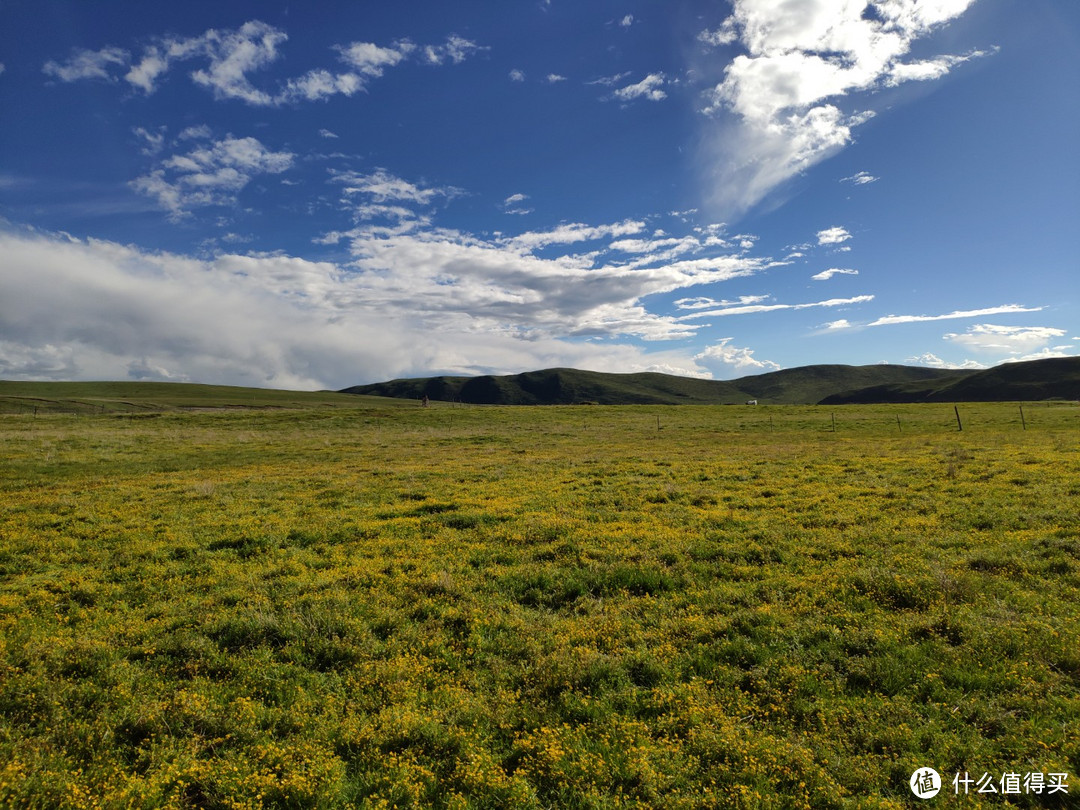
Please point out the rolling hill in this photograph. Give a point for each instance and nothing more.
(1052, 378)
(1056, 378)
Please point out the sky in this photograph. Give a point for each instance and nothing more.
(322, 194)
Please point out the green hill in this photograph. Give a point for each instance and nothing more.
(565, 386)
(1052, 378)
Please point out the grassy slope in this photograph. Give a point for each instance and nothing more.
(803, 385)
(536, 607)
(133, 397)
(1052, 378)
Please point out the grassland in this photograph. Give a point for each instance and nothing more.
(582, 607)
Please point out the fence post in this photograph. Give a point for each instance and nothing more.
(959, 424)
(1023, 421)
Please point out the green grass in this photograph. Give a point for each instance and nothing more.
(535, 607)
(86, 398)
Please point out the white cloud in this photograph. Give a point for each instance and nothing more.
(969, 313)
(627, 21)
(928, 69)
(860, 179)
(723, 360)
(609, 81)
(381, 187)
(1012, 340)
(513, 204)
(825, 275)
(842, 323)
(568, 233)
(196, 133)
(801, 59)
(456, 49)
(325, 133)
(726, 34)
(706, 303)
(933, 361)
(84, 64)
(832, 236)
(232, 55)
(648, 88)
(517, 75)
(316, 85)
(750, 309)
(371, 59)
(554, 78)
(408, 303)
(154, 142)
(210, 175)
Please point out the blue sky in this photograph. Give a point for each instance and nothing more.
(310, 195)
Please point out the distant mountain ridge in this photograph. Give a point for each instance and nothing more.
(1053, 378)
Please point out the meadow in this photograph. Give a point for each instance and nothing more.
(381, 605)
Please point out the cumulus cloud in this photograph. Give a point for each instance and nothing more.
(832, 236)
(801, 61)
(933, 361)
(517, 75)
(833, 326)
(210, 175)
(1010, 340)
(724, 360)
(825, 275)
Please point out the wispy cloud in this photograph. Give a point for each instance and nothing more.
(85, 64)
(825, 275)
(211, 174)
(232, 56)
(968, 313)
(750, 309)
(514, 204)
(649, 88)
(860, 179)
(381, 186)
(800, 61)
(456, 49)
